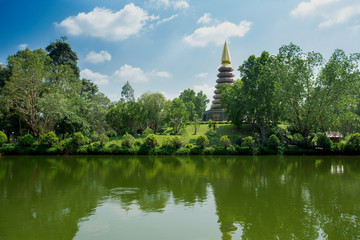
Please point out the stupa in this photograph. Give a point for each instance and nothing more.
(225, 76)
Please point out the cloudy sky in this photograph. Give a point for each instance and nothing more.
(170, 45)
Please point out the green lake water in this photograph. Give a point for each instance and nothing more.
(179, 198)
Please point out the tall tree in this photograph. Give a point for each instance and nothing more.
(194, 103)
(152, 106)
(62, 54)
(177, 115)
(127, 93)
(28, 82)
(258, 94)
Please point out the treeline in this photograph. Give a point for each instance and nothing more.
(303, 91)
(41, 91)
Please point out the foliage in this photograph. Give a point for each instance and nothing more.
(202, 141)
(62, 54)
(255, 98)
(50, 139)
(3, 138)
(195, 104)
(176, 142)
(323, 141)
(248, 142)
(225, 141)
(273, 142)
(147, 132)
(127, 140)
(177, 115)
(299, 140)
(127, 93)
(239, 140)
(151, 141)
(27, 140)
(196, 124)
(353, 143)
(152, 105)
(78, 139)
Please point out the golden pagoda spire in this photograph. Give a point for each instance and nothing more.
(225, 59)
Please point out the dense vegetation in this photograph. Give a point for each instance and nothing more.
(287, 101)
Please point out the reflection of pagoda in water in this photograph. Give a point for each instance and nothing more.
(225, 76)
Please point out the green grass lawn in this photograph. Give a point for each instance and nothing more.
(187, 135)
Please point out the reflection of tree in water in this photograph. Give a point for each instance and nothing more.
(265, 197)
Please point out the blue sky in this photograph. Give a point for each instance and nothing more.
(170, 45)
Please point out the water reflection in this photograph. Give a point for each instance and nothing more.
(253, 197)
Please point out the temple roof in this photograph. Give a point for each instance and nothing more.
(225, 59)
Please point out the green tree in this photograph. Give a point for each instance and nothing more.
(127, 93)
(28, 82)
(152, 105)
(256, 97)
(177, 115)
(62, 54)
(195, 103)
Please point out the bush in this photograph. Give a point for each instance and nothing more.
(323, 141)
(27, 140)
(3, 138)
(225, 141)
(248, 142)
(94, 137)
(151, 141)
(78, 139)
(239, 140)
(202, 141)
(299, 140)
(104, 139)
(273, 142)
(353, 142)
(127, 140)
(147, 132)
(50, 139)
(176, 142)
(189, 145)
(211, 133)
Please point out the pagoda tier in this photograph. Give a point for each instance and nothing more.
(225, 77)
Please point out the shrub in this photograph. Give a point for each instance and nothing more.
(299, 140)
(127, 140)
(104, 139)
(211, 133)
(94, 137)
(27, 140)
(176, 142)
(225, 141)
(239, 140)
(353, 142)
(78, 139)
(138, 143)
(248, 142)
(273, 142)
(3, 138)
(151, 141)
(147, 132)
(202, 141)
(50, 139)
(323, 141)
(189, 145)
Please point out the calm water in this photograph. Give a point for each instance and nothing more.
(187, 198)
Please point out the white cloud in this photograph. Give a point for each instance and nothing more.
(217, 33)
(206, 18)
(106, 24)
(341, 16)
(125, 73)
(97, 78)
(306, 8)
(331, 11)
(167, 19)
(100, 57)
(181, 4)
(131, 74)
(170, 96)
(202, 75)
(22, 46)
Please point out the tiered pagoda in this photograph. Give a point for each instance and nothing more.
(225, 76)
